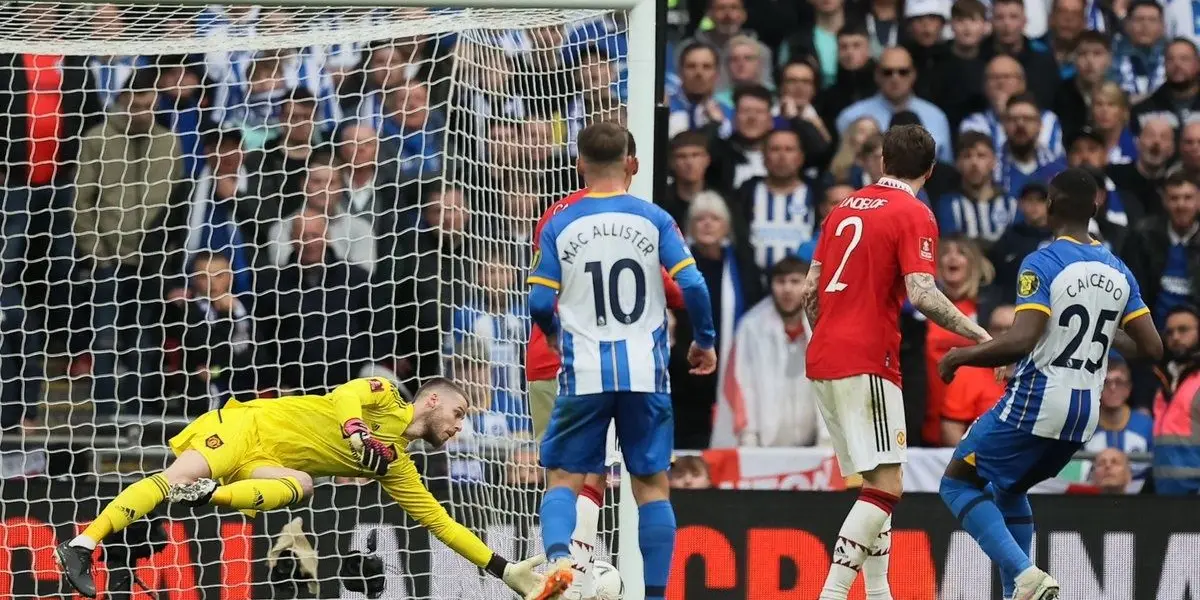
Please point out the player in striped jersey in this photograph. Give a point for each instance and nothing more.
(600, 259)
(1073, 297)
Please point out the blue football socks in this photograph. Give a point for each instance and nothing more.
(1018, 517)
(656, 537)
(977, 512)
(558, 521)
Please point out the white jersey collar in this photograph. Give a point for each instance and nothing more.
(896, 184)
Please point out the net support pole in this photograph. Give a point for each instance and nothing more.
(642, 70)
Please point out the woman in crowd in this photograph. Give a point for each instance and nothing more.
(846, 157)
(1110, 118)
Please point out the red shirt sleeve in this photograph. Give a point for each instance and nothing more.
(673, 292)
(917, 246)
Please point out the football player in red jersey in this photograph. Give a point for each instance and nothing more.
(876, 246)
(541, 371)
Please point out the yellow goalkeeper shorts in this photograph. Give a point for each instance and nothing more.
(228, 439)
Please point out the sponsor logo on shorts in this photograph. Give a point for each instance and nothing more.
(901, 438)
(1027, 284)
(213, 442)
(927, 248)
(376, 385)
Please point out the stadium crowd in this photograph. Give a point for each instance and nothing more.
(191, 227)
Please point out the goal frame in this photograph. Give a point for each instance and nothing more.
(644, 61)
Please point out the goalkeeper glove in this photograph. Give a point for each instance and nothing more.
(372, 454)
(519, 577)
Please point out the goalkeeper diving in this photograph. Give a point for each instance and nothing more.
(263, 455)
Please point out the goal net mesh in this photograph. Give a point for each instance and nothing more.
(206, 203)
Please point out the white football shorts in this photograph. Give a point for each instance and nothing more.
(865, 418)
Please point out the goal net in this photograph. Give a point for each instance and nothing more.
(205, 203)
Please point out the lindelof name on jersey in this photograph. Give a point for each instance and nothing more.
(860, 203)
(1095, 281)
(637, 239)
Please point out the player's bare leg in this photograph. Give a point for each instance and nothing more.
(864, 542)
(134, 502)
(558, 515)
(656, 530)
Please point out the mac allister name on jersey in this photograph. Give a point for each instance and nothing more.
(574, 244)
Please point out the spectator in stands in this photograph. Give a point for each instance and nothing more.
(1163, 252)
(1189, 151)
(388, 65)
(348, 238)
(961, 80)
(832, 196)
(765, 399)
(1110, 118)
(963, 273)
(523, 468)
(895, 76)
(1139, 55)
(412, 131)
(128, 256)
(844, 167)
(690, 162)
(781, 208)
(979, 210)
(420, 281)
(797, 87)
(1022, 237)
(868, 167)
(855, 74)
(253, 105)
(975, 389)
(1068, 20)
(696, 105)
(220, 202)
(1005, 80)
(1111, 472)
(217, 335)
(740, 156)
(372, 183)
(546, 165)
(1143, 179)
(1022, 154)
(745, 64)
(111, 73)
(924, 23)
(734, 285)
(1179, 95)
(283, 162)
(883, 20)
(184, 105)
(494, 313)
(1093, 59)
(1176, 406)
(819, 39)
(690, 472)
(1119, 425)
(314, 313)
(728, 19)
(1008, 37)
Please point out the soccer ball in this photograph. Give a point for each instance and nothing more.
(608, 581)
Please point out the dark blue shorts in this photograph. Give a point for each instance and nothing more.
(576, 439)
(1011, 459)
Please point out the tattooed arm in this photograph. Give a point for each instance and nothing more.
(808, 293)
(927, 298)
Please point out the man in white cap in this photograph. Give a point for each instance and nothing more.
(925, 21)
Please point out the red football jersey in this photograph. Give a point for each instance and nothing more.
(868, 243)
(541, 363)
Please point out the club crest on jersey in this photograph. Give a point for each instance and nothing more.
(901, 439)
(1027, 284)
(927, 248)
(213, 442)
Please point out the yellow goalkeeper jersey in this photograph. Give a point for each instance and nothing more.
(305, 433)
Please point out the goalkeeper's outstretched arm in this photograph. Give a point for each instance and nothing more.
(404, 485)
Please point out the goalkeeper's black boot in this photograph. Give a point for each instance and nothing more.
(76, 563)
(196, 493)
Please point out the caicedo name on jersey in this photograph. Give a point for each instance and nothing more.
(1095, 281)
(636, 238)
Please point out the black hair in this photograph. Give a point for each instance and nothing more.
(1073, 196)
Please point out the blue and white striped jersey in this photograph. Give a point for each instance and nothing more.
(605, 255)
(1088, 293)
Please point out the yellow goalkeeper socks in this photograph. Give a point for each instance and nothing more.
(259, 494)
(130, 505)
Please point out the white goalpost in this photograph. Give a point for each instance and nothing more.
(203, 202)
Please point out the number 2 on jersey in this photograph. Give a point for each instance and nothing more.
(596, 270)
(1077, 312)
(855, 238)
